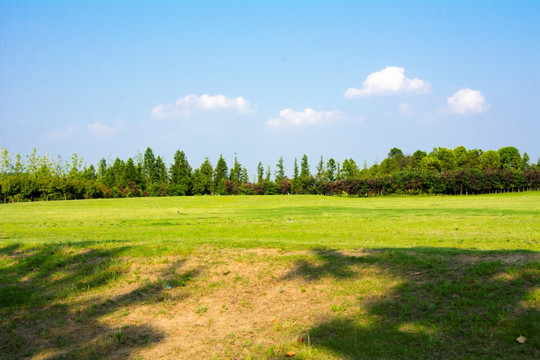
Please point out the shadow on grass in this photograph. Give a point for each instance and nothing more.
(447, 304)
(49, 306)
(328, 263)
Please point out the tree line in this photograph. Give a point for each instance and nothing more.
(441, 171)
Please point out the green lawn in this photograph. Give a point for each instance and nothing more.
(490, 222)
(257, 277)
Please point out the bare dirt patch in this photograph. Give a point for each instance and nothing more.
(240, 304)
(231, 304)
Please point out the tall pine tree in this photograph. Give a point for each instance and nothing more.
(181, 177)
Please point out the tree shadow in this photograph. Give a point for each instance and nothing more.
(44, 311)
(8, 249)
(447, 303)
(328, 263)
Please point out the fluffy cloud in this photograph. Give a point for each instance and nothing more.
(101, 130)
(289, 117)
(389, 80)
(467, 101)
(193, 104)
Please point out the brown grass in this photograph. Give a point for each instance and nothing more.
(215, 303)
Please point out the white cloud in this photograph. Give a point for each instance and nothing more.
(289, 117)
(101, 130)
(61, 135)
(467, 101)
(389, 80)
(193, 104)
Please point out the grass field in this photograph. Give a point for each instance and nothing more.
(258, 277)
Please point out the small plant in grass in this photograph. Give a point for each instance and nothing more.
(248, 343)
(182, 279)
(119, 336)
(307, 351)
(339, 308)
(246, 304)
(201, 309)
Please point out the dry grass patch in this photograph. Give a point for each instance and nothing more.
(263, 303)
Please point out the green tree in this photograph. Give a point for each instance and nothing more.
(473, 159)
(304, 167)
(150, 171)
(280, 172)
(220, 175)
(395, 153)
(181, 175)
(102, 169)
(32, 163)
(207, 173)
(46, 185)
(198, 185)
(89, 173)
(115, 174)
(236, 171)
(46, 166)
(244, 177)
(306, 180)
(460, 155)
(270, 187)
(295, 184)
(321, 171)
(160, 178)
(446, 158)
(320, 177)
(331, 170)
(395, 162)
(130, 175)
(431, 163)
(490, 160)
(387, 167)
(268, 174)
(19, 167)
(260, 173)
(6, 165)
(365, 173)
(510, 158)
(162, 172)
(75, 166)
(349, 169)
(417, 157)
(525, 162)
(57, 167)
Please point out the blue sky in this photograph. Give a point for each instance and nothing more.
(341, 79)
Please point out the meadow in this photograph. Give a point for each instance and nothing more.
(260, 277)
